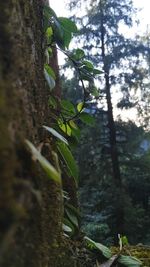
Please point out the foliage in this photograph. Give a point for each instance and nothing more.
(118, 259)
(94, 245)
(69, 160)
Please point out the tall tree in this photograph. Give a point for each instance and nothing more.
(116, 55)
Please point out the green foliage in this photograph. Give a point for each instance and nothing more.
(49, 34)
(88, 119)
(67, 28)
(124, 240)
(64, 127)
(69, 160)
(119, 259)
(68, 107)
(49, 76)
(106, 252)
(48, 15)
(71, 219)
(58, 29)
(52, 102)
(49, 169)
(50, 71)
(80, 106)
(85, 68)
(129, 261)
(77, 54)
(72, 214)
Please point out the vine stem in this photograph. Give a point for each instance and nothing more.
(82, 82)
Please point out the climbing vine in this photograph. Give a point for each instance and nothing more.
(65, 116)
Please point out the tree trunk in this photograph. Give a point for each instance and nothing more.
(119, 209)
(30, 204)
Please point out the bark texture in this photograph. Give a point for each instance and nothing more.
(30, 204)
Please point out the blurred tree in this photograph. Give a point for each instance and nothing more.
(97, 188)
(118, 56)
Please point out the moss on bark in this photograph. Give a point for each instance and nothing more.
(31, 205)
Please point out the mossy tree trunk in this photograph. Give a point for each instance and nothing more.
(30, 204)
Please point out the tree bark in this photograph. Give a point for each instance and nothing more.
(30, 204)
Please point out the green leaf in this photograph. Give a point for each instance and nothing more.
(69, 160)
(106, 252)
(48, 15)
(86, 76)
(75, 131)
(72, 214)
(88, 65)
(70, 225)
(68, 106)
(67, 36)
(49, 34)
(97, 71)
(50, 52)
(56, 134)
(80, 106)
(49, 169)
(68, 25)
(94, 91)
(58, 34)
(64, 127)
(49, 12)
(124, 240)
(66, 228)
(86, 118)
(129, 261)
(73, 209)
(78, 54)
(63, 31)
(52, 102)
(50, 80)
(72, 217)
(50, 71)
(73, 125)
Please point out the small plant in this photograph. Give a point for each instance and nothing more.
(108, 259)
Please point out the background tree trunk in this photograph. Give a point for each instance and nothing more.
(119, 192)
(30, 204)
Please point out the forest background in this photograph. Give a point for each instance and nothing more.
(96, 187)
